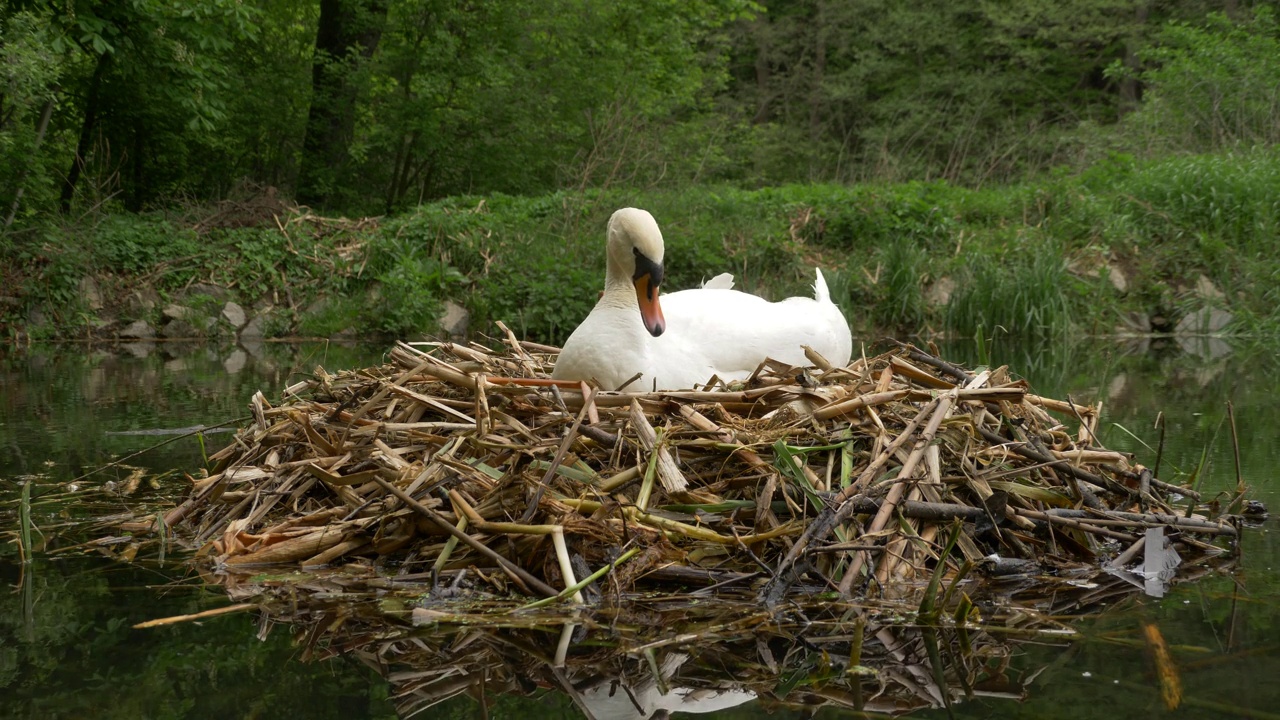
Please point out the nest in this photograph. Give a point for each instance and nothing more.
(462, 465)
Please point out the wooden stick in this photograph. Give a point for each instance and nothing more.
(1077, 524)
(515, 571)
(194, 616)
(1025, 450)
(555, 463)
(900, 485)
(837, 510)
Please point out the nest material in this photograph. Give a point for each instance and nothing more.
(795, 481)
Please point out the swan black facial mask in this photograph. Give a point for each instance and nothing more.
(647, 278)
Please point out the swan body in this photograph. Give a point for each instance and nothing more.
(691, 335)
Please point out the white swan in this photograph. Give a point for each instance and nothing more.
(693, 334)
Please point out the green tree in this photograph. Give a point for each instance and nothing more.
(1211, 84)
(29, 72)
(967, 91)
(143, 75)
(347, 35)
(523, 96)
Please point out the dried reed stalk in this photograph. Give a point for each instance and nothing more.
(463, 457)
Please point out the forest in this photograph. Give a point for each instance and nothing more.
(144, 108)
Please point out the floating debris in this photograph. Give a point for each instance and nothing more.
(888, 477)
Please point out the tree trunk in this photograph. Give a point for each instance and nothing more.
(349, 30)
(816, 90)
(137, 195)
(764, 85)
(91, 107)
(26, 167)
(1130, 88)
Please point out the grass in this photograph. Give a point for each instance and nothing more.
(1027, 260)
(1026, 291)
(25, 523)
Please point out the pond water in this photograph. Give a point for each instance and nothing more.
(68, 648)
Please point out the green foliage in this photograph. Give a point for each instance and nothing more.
(140, 84)
(879, 215)
(1212, 84)
(155, 102)
(966, 91)
(129, 244)
(526, 96)
(1024, 290)
(1032, 259)
(1231, 197)
(904, 269)
(539, 295)
(411, 295)
(29, 73)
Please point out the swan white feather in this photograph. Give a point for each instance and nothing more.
(695, 334)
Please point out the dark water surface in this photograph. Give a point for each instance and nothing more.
(67, 648)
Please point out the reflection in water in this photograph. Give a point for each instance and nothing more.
(641, 656)
(644, 693)
(1158, 567)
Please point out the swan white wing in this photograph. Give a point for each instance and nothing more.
(728, 333)
(723, 281)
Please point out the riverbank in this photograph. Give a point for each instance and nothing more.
(1182, 245)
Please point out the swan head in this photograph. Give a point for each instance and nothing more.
(635, 254)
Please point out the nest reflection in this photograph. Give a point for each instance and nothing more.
(644, 656)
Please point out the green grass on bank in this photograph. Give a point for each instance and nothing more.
(1040, 258)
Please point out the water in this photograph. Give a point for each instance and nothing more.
(67, 648)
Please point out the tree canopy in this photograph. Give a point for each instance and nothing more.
(370, 106)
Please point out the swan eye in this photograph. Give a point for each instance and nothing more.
(645, 266)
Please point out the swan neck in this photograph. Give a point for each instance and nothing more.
(619, 290)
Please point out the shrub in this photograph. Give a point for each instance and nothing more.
(1211, 86)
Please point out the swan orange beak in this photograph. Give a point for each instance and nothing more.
(650, 310)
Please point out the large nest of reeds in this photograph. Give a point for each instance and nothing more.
(443, 464)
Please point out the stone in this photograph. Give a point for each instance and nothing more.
(254, 346)
(1205, 321)
(142, 301)
(1134, 344)
(1208, 349)
(38, 318)
(316, 307)
(175, 329)
(1115, 388)
(139, 329)
(1083, 266)
(255, 329)
(939, 294)
(235, 362)
(177, 365)
(139, 349)
(90, 294)
(455, 320)
(1207, 290)
(1134, 323)
(174, 311)
(179, 349)
(1117, 278)
(216, 292)
(234, 314)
